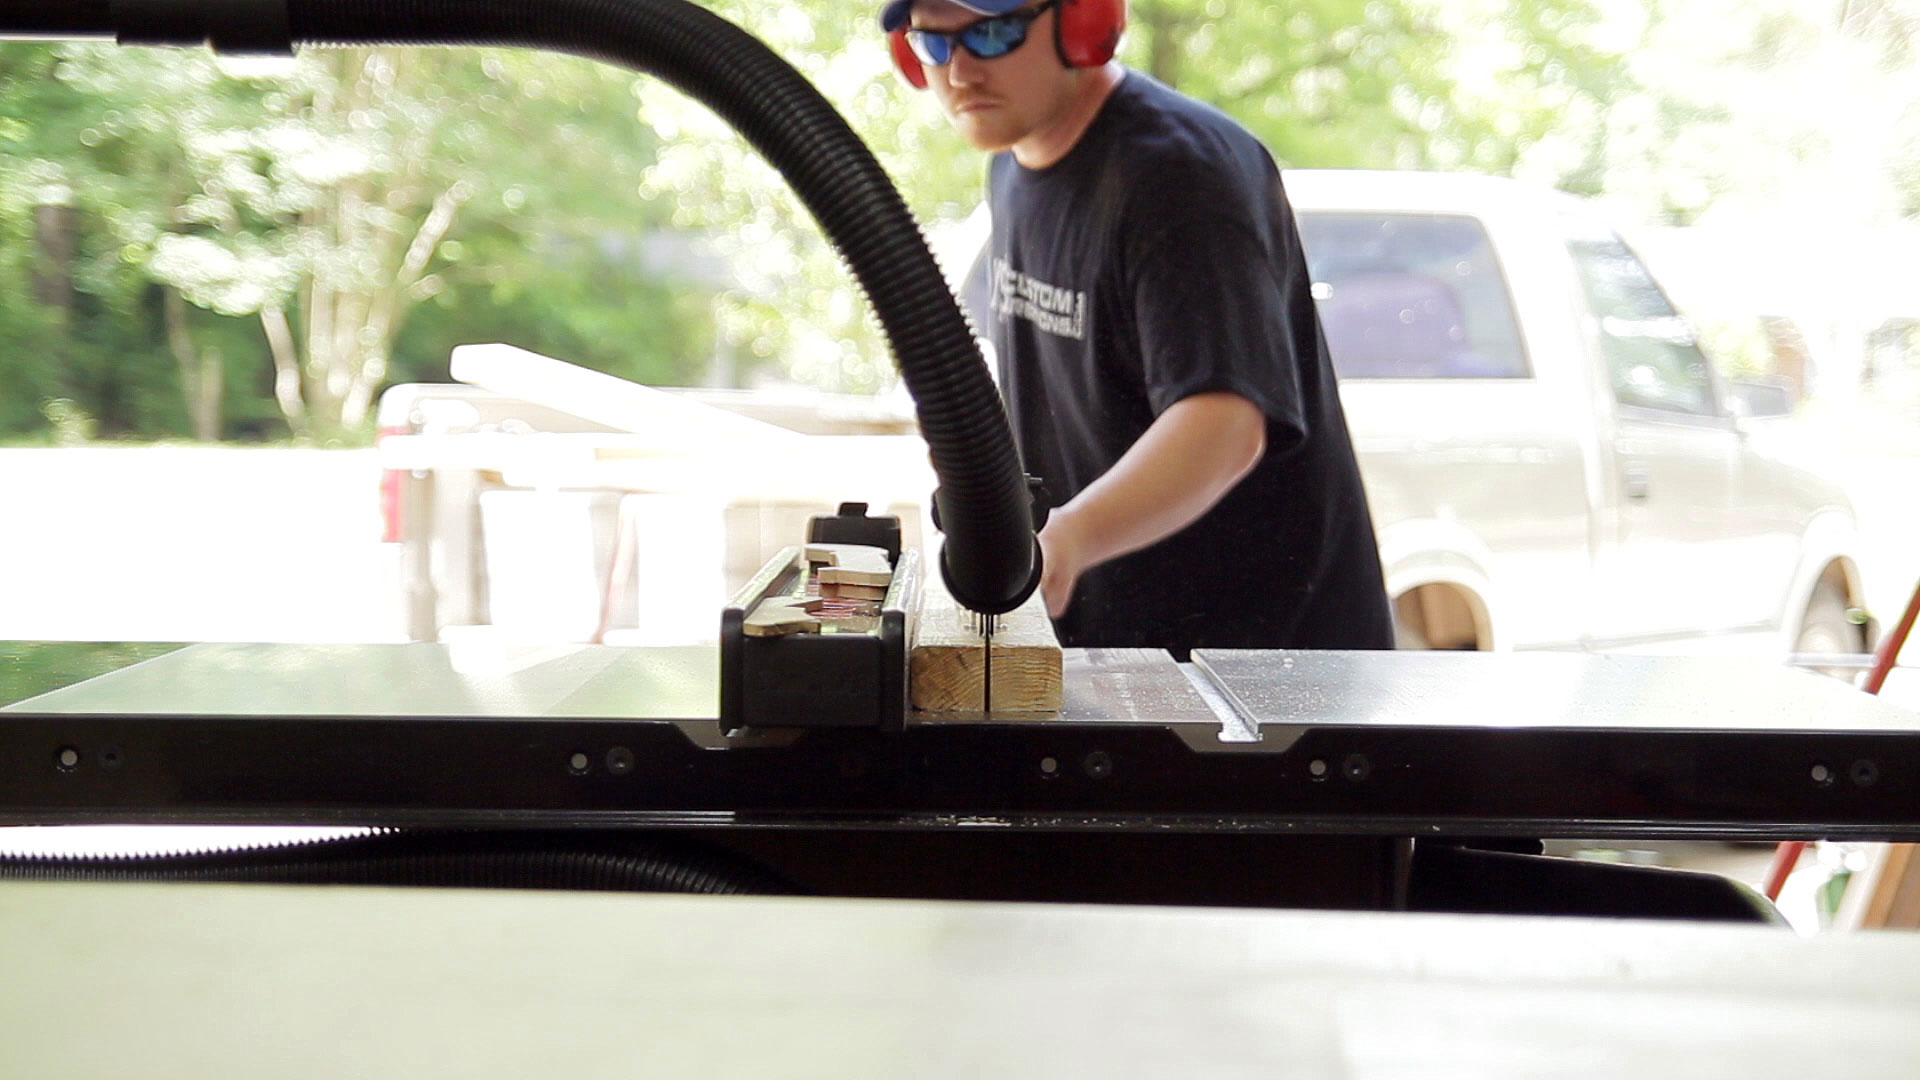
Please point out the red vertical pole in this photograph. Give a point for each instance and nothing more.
(1788, 853)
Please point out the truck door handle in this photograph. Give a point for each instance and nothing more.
(1637, 479)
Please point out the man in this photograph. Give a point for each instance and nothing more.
(1159, 349)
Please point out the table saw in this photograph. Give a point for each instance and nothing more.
(1325, 779)
(1383, 782)
(1376, 781)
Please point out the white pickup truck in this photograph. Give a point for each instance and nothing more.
(1550, 460)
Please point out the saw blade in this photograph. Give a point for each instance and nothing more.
(985, 625)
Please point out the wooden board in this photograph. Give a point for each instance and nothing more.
(612, 401)
(861, 557)
(837, 575)
(779, 617)
(946, 671)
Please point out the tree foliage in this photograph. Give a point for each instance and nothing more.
(1752, 107)
(200, 246)
(323, 200)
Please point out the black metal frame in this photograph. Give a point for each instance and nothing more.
(1379, 781)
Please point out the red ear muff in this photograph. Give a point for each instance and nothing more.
(1085, 34)
(907, 64)
(1088, 31)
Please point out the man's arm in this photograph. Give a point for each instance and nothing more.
(1190, 457)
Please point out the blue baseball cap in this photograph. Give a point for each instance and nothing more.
(894, 15)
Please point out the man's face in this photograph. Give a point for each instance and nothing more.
(996, 103)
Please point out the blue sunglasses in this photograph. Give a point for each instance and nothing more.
(984, 39)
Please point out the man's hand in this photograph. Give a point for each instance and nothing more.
(1192, 456)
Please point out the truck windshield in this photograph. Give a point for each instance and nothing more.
(1411, 296)
(1653, 358)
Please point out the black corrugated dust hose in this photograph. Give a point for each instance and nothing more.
(990, 559)
(990, 555)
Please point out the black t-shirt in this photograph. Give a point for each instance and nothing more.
(1157, 260)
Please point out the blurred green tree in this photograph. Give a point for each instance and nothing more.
(790, 304)
(199, 244)
(79, 332)
(1751, 106)
(1402, 84)
(327, 198)
(328, 207)
(324, 199)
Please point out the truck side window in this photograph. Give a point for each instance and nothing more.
(1411, 296)
(1653, 358)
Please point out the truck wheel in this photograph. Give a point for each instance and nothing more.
(1434, 617)
(1826, 630)
(1407, 636)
